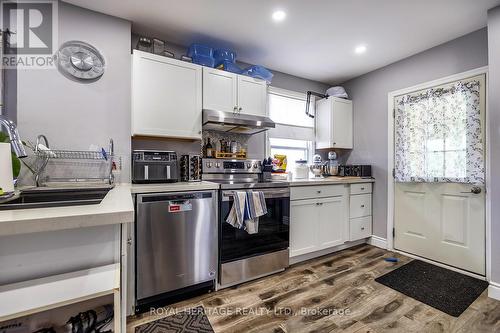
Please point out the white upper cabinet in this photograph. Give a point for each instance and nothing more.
(334, 123)
(220, 90)
(252, 96)
(166, 97)
(224, 91)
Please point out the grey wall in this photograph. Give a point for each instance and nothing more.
(256, 144)
(74, 115)
(494, 126)
(369, 94)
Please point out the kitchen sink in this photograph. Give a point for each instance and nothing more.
(55, 197)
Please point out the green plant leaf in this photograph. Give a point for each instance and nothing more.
(4, 137)
(16, 166)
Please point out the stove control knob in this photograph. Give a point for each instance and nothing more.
(255, 165)
(249, 165)
(208, 164)
(217, 165)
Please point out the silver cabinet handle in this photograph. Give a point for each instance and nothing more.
(318, 192)
(362, 206)
(129, 241)
(319, 203)
(362, 228)
(362, 189)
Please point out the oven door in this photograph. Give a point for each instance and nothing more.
(274, 227)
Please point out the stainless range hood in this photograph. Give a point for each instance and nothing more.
(235, 123)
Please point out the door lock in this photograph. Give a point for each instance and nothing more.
(474, 190)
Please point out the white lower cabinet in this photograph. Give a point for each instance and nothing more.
(332, 221)
(324, 216)
(303, 227)
(360, 211)
(317, 224)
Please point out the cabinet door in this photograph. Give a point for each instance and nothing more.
(304, 223)
(219, 90)
(342, 124)
(332, 221)
(166, 97)
(252, 96)
(323, 120)
(334, 123)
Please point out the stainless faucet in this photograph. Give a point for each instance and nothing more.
(15, 139)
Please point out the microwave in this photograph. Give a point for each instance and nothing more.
(154, 166)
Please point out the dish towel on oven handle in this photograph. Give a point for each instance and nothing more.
(246, 209)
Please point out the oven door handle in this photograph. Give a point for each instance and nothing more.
(268, 193)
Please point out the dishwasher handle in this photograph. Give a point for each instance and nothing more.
(171, 197)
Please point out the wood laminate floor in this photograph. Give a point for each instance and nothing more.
(333, 293)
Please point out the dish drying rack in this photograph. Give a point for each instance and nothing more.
(75, 166)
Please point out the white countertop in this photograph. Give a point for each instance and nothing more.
(117, 207)
(330, 181)
(174, 187)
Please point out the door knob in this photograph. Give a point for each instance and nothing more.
(474, 190)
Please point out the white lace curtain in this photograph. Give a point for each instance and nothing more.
(438, 135)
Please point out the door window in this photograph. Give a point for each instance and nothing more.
(439, 134)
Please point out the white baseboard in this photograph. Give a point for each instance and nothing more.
(494, 290)
(308, 256)
(378, 242)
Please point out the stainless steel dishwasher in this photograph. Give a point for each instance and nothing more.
(176, 246)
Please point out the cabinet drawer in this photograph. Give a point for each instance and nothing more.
(316, 191)
(360, 228)
(361, 188)
(360, 205)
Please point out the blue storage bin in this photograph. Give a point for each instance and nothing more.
(221, 55)
(204, 61)
(200, 50)
(259, 72)
(229, 66)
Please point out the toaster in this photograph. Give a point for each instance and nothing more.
(355, 170)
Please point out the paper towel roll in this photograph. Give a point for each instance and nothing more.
(6, 178)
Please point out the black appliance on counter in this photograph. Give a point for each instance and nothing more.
(154, 166)
(243, 256)
(355, 170)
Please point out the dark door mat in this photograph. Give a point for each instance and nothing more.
(445, 290)
(191, 321)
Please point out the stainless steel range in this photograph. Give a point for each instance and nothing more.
(244, 256)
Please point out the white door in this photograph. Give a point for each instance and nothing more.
(304, 226)
(332, 221)
(442, 222)
(252, 96)
(220, 90)
(439, 206)
(166, 97)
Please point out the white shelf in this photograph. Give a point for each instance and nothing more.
(28, 297)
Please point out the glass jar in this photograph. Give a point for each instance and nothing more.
(301, 169)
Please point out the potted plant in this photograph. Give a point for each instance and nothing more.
(16, 162)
